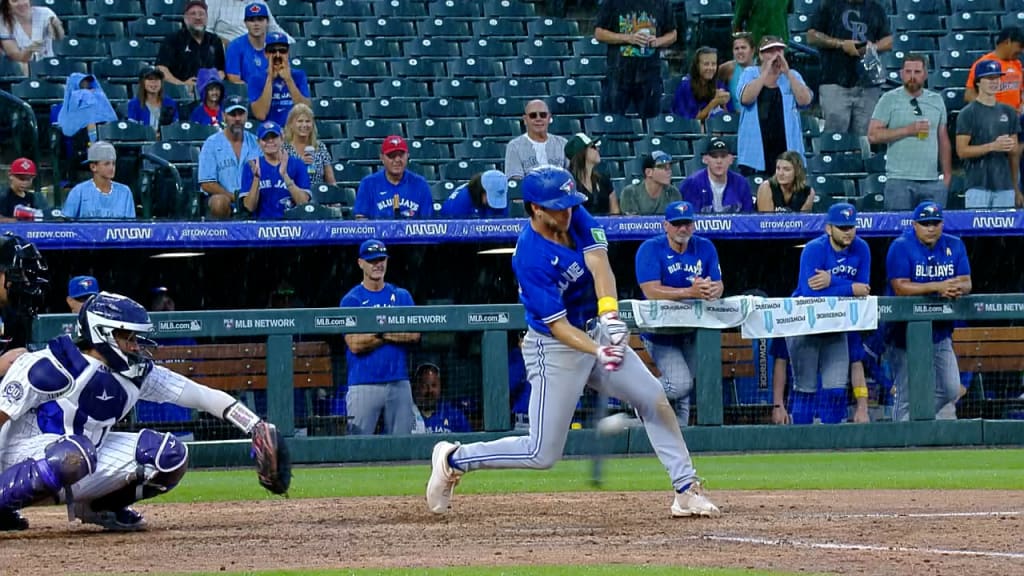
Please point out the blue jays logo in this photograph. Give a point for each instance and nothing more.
(854, 312)
(831, 303)
(684, 211)
(568, 187)
(810, 316)
(787, 305)
(846, 213)
(85, 284)
(929, 211)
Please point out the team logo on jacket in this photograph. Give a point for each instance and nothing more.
(13, 391)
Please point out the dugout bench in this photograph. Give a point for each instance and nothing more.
(995, 358)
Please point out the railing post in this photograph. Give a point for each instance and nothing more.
(494, 354)
(281, 383)
(708, 375)
(921, 370)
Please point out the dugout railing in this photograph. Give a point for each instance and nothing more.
(279, 327)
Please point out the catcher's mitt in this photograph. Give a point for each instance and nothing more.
(273, 464)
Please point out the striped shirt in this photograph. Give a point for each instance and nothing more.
(521, 157)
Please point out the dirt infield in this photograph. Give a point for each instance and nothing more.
(849, 532)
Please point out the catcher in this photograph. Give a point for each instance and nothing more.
(60, 403)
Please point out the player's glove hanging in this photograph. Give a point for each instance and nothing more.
(615, 329)
(273, 463)
(611, 357)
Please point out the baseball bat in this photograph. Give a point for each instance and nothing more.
(599, 447)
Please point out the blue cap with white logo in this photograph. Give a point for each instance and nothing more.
(928, 211)
(680, 211)
(841, 214)
(275, 39)
(373, 250)
(551, 187)
(987, 68)
(269, 127)
(81, 286)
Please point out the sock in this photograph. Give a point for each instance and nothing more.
(452, 463)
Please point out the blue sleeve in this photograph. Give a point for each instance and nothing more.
(811, 260)
(233, 60)
(404, 298)
(589, 234)
(364, 201)
(458, 421)
(452, 206)
(198, 116)
(208, 164)
(804, 82)
(684, 104)
(897, 264)
(689, 191)
(963, 266)
(73, 203)
(247, 177)
(135, 111)
(864, 269)
(297, 172)
(540, 294)
(750, 73)
(254, 87)
(170, 103)
(713, 269)
(426, 199)
(648, 266)
(349, 300)
(747, 200)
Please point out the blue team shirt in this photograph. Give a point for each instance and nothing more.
(846, 266)
(909, 258)
(281, 100)
(274, 195)
(218, 163)
(656, 260)
(446, 419)
(375, 198)
(460, 205)
(388, 362)
(244, 60)
(554, 281)
(87, 201)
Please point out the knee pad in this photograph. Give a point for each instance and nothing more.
(802, 407)
(70, 459)
(832, 405)
(164, 458)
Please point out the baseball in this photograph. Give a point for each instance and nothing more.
(613, 424)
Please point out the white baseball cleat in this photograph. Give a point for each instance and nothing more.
(693, 502)
(443, 478)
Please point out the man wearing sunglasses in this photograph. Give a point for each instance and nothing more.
(911, 120)
(926, 262)
(535, 147)
(275, 92)
(222, 157)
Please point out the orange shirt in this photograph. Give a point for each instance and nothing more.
(1010, 86)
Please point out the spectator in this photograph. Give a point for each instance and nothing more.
(924, 261)
(273, 93)
(731, 71)
(655, 192)
(19, 190)
(535, 147)
(986, 140)
(302, 141)
(843, 30)
(184, 53)
(677, 265)
(80, 289)
(393, 192)
(229, 19)
(245, 58)
(1007, 52)
(762, 18)
(378, 364)
(700, 93)
(787, 190)
(634, 31)
(716, 188)
(770, 119)
(836, 264)
(484, 196)
(149, 106)
(85, 107)
(222, 157)
(211, 93)
(911, 120)
(584, 154)
(27, 32)
(432, 414)
(100, 197)
(275, 182)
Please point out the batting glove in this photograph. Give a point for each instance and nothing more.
(611, 357)
(615, 329)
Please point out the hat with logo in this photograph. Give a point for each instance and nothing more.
(393, 143)
(373, 250)
(988, 68)
(256, 10)
(495, 185)
(269, 127)
(101, 151)
(552, 188)
(275, 39)
(192, 3)
(679, 211)
(23, 167)
(578, 143)
(718, 146)
(234, 102)
(928, 211)
(769, 42)
(81, 286)
(150, 72)
(841, 214)
(654, 158)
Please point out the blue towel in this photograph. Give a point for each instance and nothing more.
(83, 106)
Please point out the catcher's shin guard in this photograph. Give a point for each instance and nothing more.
(162, 460)
(65, 462)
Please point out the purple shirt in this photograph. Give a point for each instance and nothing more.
(686, 105)
(736, 197)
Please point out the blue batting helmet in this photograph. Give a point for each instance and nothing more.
(104, 313)
(551, 187)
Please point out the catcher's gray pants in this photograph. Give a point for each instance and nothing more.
(813, 354)
(365, 402)
(558, 375)
(674, 361)
(947, 378)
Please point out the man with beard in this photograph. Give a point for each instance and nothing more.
(912, 122)
(190, 49)
(222, 157)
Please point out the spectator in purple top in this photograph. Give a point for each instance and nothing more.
(717, 188)
(701, 94)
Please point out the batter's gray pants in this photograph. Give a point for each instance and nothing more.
(558, 375)
(825, 354)
(947, 378)
(365, 402)
(674, 361)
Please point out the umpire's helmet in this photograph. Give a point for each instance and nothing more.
(25, 271)
(551, 187)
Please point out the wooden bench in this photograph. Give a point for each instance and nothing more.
(983, 350)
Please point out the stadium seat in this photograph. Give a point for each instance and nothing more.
(910, 42)
(485, 48)
(38, 92)
(81, 48)
(11, 73)
(676, 126)
(441, 191)
(388, 109)
(361, 69)
(569, 106)
(448, 108)
(929, 24)
(399, 89)
(123, 133)
(553, 28)
(617, 149)
(134, 49)
(826, 185)
(709, 9)
(965, 42)
(95, 28)
(692, 165)
(456, 88)
(400, 9)
(575, 86)
(342, 89)
(429, 152)
(1012, 19)
(334, 30)
(519, 88)
(151, 27)
(114, 9)
(483, 68)
(187, 132)
(667, 145)
(457, 30)
(872, 184)
(330, 132)
(875, 164)
(499, 29)
(511, 9)
(428, 171)
(502, 106)
(874, 202)
(615, 127)
(954, 99)
(431, 48)
(480, 150)
(592, 67)
(755, 183)
(118, 70)
(837, 165)
(57, 68)
(165, 8)
(495, 128)
(348, 173)
(356, 150)
(809, 125)
(541, 48)
(344, 9)
(949, 78)
(588, 47)
(292, 10)
(973, 21)
(387, 28)
(822, 203)
(454, 9)
(439, 131)
(533, 67)
(334, 109)
(416, 68)
(721, 124)
(565, 125)
(372, 129)
(463, 170)
(328, 194)
(313, 50)
(66, 9)
(809, 7)
(370, 48)
(837, 143)
(177, 153)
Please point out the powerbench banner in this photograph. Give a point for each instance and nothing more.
(760, 317)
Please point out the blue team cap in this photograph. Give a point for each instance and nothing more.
(681, 211)
(495, 185)
(275, 39)
(82, 286)
(841, 214)
(256, 10)
(987, 68)
(373, 250)
(269, 127)
(928, 211)
(551, 187)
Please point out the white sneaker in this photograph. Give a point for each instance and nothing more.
(443, 478)
(693, 502)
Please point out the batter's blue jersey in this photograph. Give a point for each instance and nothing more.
(388, 362)
(657, 261)
(847, 266)
(909, 258)
(554, 281)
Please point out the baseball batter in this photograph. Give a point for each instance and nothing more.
(575, 339)
(677, 265)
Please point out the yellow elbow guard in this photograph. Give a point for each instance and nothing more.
(606, 305)
(860, 392)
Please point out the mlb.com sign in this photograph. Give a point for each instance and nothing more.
(334, 321)
(489, 318)
(179, 326)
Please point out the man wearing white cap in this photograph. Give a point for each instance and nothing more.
(100, 197)
(484, 196)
